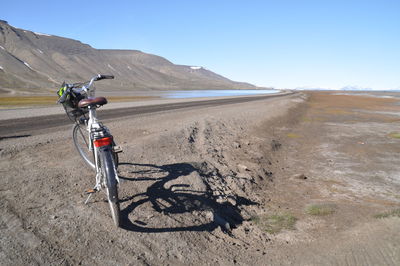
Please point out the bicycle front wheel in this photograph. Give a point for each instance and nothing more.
(81, 139)
(109, 172)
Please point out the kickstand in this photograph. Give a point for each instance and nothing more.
(88, 198)
(90, 192)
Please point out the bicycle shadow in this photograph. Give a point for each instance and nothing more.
(179, 199)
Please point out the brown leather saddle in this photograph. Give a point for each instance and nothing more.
(97, 101)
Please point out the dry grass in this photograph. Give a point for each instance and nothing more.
(392, 213)
(276, 222)
(26, 101)
(326, 100)
(394, 135)
(350, 108)
(320, 209)
(293, 135)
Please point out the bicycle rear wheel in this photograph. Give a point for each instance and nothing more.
(109, 172)
(80, 136)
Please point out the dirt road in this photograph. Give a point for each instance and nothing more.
(45, 122)
(294, 180)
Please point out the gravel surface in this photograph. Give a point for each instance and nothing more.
(200, 186)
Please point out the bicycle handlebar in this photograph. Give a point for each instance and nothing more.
(100, 77)
(96, 78)
(83, 86)
(86, 85)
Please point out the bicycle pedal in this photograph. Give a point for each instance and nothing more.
(90, 191)
(117, 149)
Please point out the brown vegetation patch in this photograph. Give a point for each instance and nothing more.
(325, 106)
(27, 101)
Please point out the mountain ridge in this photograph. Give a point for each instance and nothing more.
(38, 61)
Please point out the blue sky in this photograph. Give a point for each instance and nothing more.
(284, 44)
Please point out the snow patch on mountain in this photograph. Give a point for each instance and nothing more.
(26, 64)
(42, 34)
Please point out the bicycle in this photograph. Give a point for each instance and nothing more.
(92, 139)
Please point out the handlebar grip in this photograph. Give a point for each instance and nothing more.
(100, 77)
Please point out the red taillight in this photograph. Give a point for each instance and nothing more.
(102, 142)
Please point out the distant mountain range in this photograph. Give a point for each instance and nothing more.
(34, 61)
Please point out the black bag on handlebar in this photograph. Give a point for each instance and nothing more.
(70, 99)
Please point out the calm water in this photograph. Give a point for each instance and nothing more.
(214, 93)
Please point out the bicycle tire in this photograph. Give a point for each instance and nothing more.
(109, 172)
(80, 136)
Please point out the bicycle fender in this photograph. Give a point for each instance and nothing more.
(109, 170)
